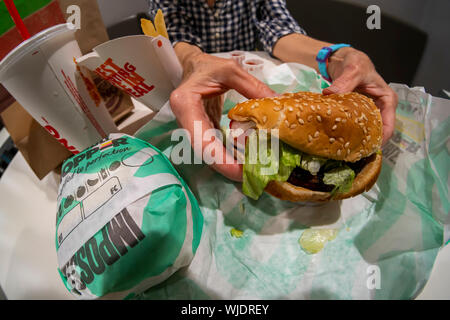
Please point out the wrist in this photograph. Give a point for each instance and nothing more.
(350, 58)
(323, 58)
(187, 53)
(337, 59)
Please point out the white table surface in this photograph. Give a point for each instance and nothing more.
(28, 268)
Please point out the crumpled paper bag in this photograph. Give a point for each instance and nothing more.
(387, 239)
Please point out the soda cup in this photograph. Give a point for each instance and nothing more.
(41, 74)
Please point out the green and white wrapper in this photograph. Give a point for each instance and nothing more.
(387, 239)
(126, 220)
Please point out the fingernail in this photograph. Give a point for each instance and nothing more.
(332, 89)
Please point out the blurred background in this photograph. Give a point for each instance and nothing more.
(412, 46)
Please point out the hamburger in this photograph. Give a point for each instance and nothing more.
(329, 146)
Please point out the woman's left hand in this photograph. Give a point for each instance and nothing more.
(352, 70)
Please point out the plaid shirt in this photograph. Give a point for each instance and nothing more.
(229, 25)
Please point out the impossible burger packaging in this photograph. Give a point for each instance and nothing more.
(126, 220)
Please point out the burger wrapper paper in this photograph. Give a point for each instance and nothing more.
(384, 241)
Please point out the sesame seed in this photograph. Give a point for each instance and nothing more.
(341, 139)
(310, 118)
(293, 126)
(338, 152)
(348, 151)
(253, 106)
(301, 121)
(332, 140)
(290, 109)
(316, 134)
(329, 112)
(264, 119)
(286, 123)
(276, 102)
(319, 119)
(347, 144)
(313, 108)
(337, 119)
(364, 141)
(309, 138)
(334, 127)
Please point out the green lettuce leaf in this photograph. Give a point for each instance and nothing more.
(341, 177)
(256, 176)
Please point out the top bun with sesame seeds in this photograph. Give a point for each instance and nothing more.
(338, 126)
(344, 127)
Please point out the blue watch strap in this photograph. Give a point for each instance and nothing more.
(324, 54)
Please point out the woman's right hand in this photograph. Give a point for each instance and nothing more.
(198, 98)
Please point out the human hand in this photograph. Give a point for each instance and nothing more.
(352, 70)
(198, 98)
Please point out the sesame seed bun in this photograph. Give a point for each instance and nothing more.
(343, 127)
(338, 126)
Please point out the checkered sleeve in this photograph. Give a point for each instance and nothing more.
(177, 28)
(274, 22)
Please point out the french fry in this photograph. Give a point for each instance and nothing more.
(160, 24)
(148, 28)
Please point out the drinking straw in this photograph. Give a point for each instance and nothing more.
(17, 19)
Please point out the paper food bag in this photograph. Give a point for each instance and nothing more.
(41, 151)
(92, 33)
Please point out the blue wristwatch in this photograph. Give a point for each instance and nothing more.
(324, 54)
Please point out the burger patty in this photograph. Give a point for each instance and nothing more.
(303, 178)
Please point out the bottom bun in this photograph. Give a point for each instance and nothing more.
(363, 182)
